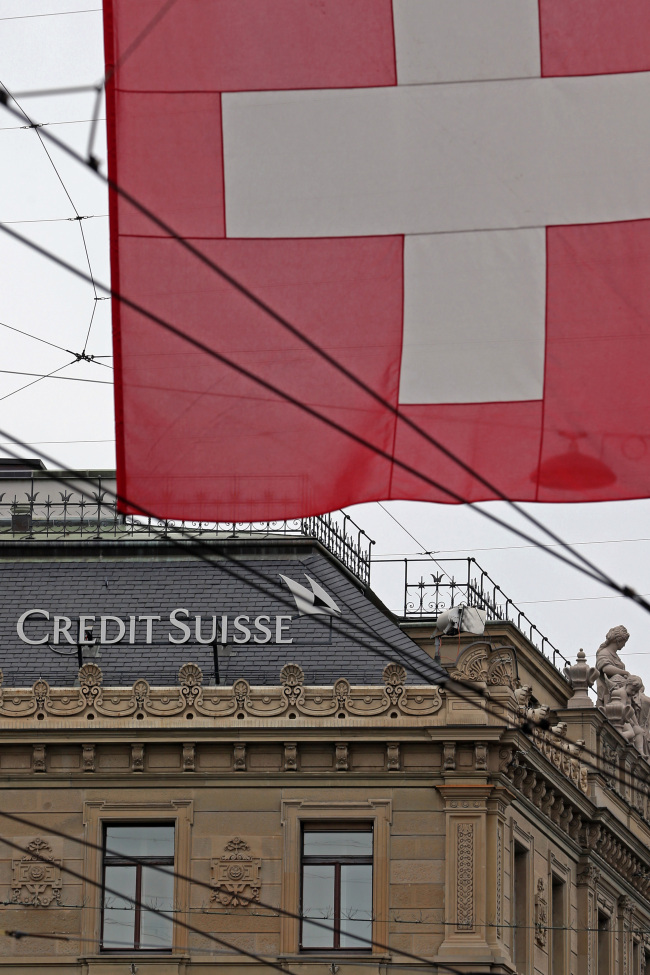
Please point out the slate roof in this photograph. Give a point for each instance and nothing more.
(156, 585)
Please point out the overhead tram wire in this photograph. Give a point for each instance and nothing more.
(322, 353)
(595, 575)
(416, 540)
(91, 216)
(49, 375)
(78, 356)
(77, 217)
(451, 685)
(40, 125)
(37, 338)
(55, 13)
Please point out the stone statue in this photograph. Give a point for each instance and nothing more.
(621, 695)
(608, 662)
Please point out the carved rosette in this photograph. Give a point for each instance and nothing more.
(235, 878)
(37, 876)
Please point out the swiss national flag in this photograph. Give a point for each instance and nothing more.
(450, 197)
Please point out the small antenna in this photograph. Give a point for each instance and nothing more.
(88, 641)
(215, 657)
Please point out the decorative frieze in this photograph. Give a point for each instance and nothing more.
(541, 913)
(499, 868)
(36, 878)
(465, 876)
(290, 697)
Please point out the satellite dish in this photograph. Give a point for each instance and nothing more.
(460, 619)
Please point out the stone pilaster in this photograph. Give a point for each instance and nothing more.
(475, 815)
(623, 927)
(588, 877)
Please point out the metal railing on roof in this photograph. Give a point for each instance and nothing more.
(464, 581)
(35, 515)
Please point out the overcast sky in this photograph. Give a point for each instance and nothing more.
(73, 421)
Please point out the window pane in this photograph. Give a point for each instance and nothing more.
(318, 902)
(158, 892)
(119, 913)
(140, 841)
(356, 904)
(338, 843)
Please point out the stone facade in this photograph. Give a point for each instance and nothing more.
(511, 830)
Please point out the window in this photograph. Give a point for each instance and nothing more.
(520, 909)
(558, 926)
(336, 875)
(131, 888)
(603, 943)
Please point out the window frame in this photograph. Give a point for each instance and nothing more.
(337, 861)
(137, 863)
(297, 811)
(96, 813)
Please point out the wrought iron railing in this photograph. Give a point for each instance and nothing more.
(36, 513)
(455, 581)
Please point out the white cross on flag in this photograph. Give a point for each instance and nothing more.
(449, 197)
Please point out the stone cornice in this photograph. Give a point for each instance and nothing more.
(590, 829)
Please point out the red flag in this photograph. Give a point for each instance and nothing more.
(450, 199)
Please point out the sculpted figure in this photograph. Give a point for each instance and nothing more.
(608, 662)
(619, 709)
(523, 695)
(640, 719)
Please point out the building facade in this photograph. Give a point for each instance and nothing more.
(222, 752)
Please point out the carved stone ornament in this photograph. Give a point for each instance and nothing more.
(581, 676)
(37, 876)
(482, 665)
(236, 876)
(190, 677)
(394, 678)
(292, 678)
(223, 702)
(465, 876)
(541, 914)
